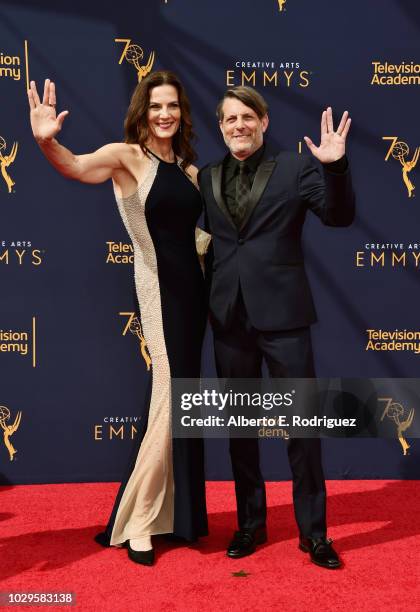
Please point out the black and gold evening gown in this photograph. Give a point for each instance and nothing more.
(163, 489)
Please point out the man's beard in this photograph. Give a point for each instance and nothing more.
(240, 147)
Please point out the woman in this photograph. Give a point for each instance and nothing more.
(163, 491)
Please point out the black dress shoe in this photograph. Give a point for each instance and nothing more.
(245, 542)
(145, 557)
(321, 552)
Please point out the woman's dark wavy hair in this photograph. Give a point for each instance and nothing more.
(135, 124)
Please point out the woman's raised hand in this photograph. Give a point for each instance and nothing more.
(44, 121)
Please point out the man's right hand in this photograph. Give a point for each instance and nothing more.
(44, 121)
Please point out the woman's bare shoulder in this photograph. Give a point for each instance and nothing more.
(125, 148)
(132, 150)
(131, 154)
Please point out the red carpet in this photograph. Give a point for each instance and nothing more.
(46, 545)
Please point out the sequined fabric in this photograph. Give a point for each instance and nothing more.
(147, 504)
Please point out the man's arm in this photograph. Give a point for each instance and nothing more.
(331, 196)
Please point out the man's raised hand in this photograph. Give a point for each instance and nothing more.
(333, 144)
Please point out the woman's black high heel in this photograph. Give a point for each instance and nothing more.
(144, 557)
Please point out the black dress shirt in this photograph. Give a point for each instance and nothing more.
(230, 173)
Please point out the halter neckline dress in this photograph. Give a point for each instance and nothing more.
(163, 490)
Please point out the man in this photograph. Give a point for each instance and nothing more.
(261, 305)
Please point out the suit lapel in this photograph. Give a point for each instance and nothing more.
(262, 176)
(216, 181)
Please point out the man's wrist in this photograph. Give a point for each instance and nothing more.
(337, 167)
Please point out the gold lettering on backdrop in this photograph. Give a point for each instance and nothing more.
(118, 432)
(134, 54)
(119, 253)
(396, 259)
(134, 325)
(395, 341)
(10, 66)
(305, 80)
(406, 73)
(288, 76)
(270, 79)
(265, 78)
(403, 259)
(7, 160)
(395, 412)
(9, 430)
(248, 79)
(380, 259)
(37, 259)
(399, 151)
(20, 256)
(114, 433)
(12, 341)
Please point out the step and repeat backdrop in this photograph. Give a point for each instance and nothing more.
(73, 380)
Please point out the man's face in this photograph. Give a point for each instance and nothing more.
(241, 127)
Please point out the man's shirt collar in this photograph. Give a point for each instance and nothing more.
(252, 161)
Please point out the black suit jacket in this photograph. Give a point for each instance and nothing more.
(265, 255)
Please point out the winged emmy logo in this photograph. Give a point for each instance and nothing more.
(399, 150)
(395, 412)
(9, 430)
(7, 160)
(134, 55)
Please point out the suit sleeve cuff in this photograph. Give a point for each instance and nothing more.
(337, 167)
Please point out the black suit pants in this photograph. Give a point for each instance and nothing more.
(239, 353)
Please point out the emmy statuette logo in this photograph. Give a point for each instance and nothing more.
(399, 151)
(281, 5)
(134, 55)
(9, 430)
(134, 325)
(7, 160)
(396, 413)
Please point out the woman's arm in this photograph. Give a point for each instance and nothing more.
(94, 167)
